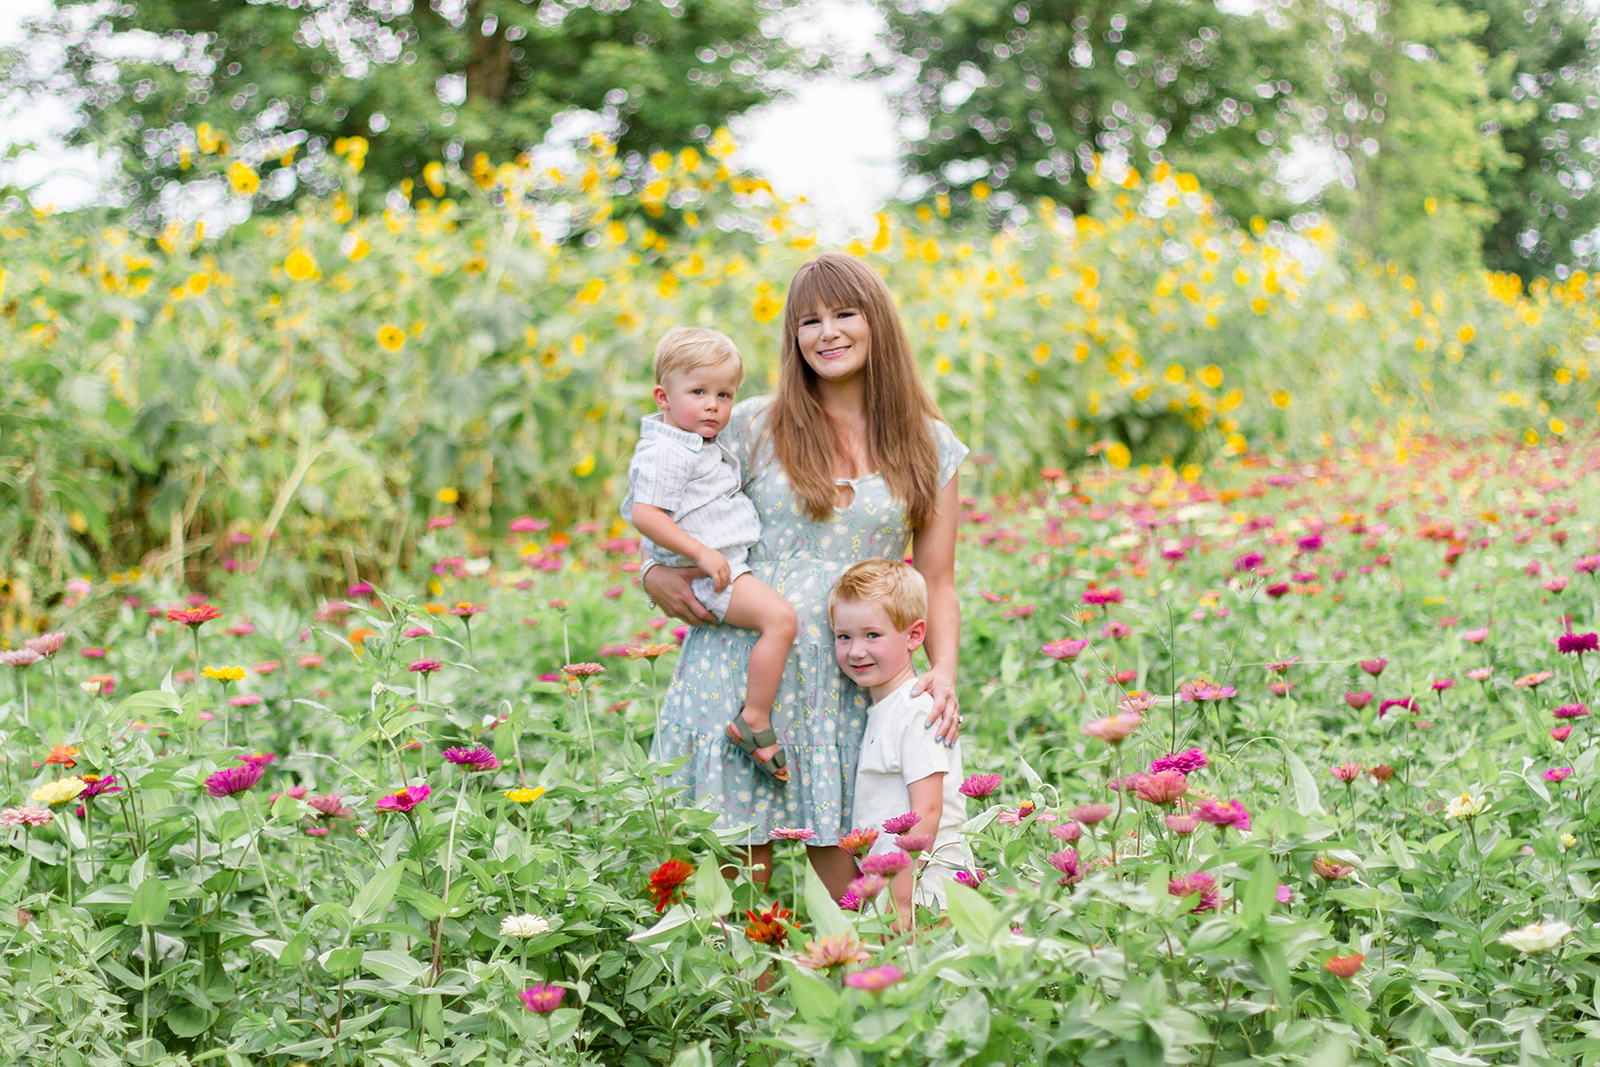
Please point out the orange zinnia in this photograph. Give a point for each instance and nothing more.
(63, 754)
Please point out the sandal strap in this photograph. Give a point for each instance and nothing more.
(763, 738)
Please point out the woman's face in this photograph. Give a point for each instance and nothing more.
(834, 342)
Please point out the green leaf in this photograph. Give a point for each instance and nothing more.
(1307, 800)
(1262, 892)
(975, 919)
(149, 904)
(676, 916)
(823, 910)
(341, 961)
(815, 1000)
(712, 895)
(375, 896)
(695, 1056)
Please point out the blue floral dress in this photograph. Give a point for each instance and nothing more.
(820, 714)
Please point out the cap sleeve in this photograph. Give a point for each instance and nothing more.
(743, 432)
(950, 450)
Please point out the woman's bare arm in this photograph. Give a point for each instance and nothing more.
(934, 552)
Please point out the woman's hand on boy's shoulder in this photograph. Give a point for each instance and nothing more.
(945, 718)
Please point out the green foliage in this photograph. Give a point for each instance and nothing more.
(322, 377)
(168, 926)
(285, 81)
(1024, 97)
(1545, 200)
(1417, 95)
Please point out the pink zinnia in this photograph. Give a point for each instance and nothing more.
(1198, 884)
(1571, 711)
(850, 901)
(1358, 700)
(26, 816)
(875, 979)
(1162, 787)
(792, 833)
(1114, 729)
(1089, 814)
(92, 653)
(258, 759)
(1202, 691)
(868, 886)
(1102, 597)
(1065, 649)
(331, 806)
(914, 843)
(309, 660)
(979, 786)
(1476, 637)
(1346, 772)
(1182, 825)
(1068, 864)
(901, 823)
(231, 780)
(1480, 674)
(1067, 832)
(244, 700)
(46, 645)
(1374, 667)
(971, 879)
(1441, 684)
(404, 799)
(1561, 733)
(1223, 814)
(1556, 774)
(885, 863)
(424, 666)
(417, 631)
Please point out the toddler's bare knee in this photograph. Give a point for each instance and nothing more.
(786, 625)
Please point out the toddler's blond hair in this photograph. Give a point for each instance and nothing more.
(691, 347)
(896, 585)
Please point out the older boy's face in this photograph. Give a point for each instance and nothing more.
(700, 400)
(869, 649)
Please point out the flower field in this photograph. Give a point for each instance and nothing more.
(1286, 763)
(320, 376)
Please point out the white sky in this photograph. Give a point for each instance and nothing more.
(833, 141)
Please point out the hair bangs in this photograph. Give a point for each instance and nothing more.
(824, 283)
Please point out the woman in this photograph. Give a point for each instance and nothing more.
(846, 461)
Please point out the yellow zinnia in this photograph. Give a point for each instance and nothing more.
(391, 337)
(300, 265)
(225, 674)
(525, 796)
(59, 791)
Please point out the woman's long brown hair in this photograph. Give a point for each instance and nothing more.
(900, 444)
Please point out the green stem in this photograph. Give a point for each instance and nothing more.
(261, 860)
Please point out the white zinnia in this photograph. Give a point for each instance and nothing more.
(523, 926)
(1466, 806)
(1537, 937)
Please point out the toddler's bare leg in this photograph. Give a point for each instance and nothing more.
(756, 606)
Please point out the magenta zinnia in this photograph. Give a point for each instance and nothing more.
(1185, 762)
(404, 799)
(543, 998)
(875, 979)
(1199, 884)
(231, 780)
(979, 786)
(477, 758)
(901, 823)
(885, 863)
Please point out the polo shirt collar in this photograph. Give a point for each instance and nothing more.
(656, 426)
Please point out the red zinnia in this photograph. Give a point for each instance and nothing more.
(666, 880)
(767, 927)
(195, 617)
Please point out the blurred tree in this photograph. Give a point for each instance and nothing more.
(1547, 202)
(1412, 120)
(1021, 96)
(284, 80)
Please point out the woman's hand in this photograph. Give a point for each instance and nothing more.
(669, 588)
(945, 719)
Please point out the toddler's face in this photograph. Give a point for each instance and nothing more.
(700, 400)
(869, 649)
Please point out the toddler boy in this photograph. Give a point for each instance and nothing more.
(685, 497)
